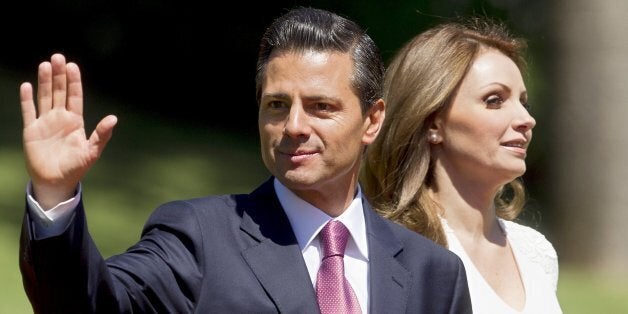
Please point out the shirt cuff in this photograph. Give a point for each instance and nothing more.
(52, 222)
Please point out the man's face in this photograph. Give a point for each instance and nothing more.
(311, 126)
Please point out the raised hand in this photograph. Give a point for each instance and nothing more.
(57, 150)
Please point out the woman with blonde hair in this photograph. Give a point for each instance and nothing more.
(448, 160)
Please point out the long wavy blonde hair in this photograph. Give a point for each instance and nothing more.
(419, 83)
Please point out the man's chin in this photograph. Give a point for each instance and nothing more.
(296, 181)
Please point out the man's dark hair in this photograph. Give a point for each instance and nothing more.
(308, 29)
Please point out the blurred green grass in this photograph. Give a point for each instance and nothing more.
(582, 291)
(150, 161)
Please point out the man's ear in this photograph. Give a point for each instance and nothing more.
(374, 121)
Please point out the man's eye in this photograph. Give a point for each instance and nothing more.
(322, 106)
(276, 104)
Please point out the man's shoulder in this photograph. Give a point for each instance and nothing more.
(422, 260)
(193, 210)
(201, 202)
(218, 204)
(417, 246)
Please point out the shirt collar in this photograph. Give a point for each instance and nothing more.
(307, 220)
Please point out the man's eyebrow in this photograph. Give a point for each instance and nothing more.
(284, 96)
(276, 95)
(323, 98)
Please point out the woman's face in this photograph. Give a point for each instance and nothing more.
(487, 128)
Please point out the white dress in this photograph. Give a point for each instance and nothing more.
(538, 265)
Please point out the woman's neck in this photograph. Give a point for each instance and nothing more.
(467, 206)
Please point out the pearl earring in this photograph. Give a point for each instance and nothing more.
(433, 138)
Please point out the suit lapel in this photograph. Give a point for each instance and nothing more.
(276, 260)
(278, 264)
(389, 280)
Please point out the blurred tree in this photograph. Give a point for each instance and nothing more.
(589, 142)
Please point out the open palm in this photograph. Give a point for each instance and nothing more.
(57, 150)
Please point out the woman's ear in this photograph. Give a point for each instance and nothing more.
(434, 133)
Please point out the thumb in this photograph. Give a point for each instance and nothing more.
(102, 134)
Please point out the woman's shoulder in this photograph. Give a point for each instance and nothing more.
(534, 245)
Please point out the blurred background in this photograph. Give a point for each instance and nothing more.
(180, 77)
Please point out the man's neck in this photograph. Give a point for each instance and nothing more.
(332, 202)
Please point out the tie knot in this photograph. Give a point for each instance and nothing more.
(334, 238)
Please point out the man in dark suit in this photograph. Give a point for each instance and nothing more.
(319, 91)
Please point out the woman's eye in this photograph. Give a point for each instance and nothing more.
(525, 104)
(494, 101)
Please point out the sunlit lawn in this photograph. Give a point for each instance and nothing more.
(581, 291)
(150, 162)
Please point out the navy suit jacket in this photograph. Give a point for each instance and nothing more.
(229, 254)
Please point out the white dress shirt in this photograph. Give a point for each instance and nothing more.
(307, 220)
(52, 222)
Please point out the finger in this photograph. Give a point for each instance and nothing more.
(28, 106)
(75, 89)
(59, 81)
(44, 88)
(102, 134)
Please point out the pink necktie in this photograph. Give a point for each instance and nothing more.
(333, 291)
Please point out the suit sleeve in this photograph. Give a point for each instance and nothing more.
(67, 273)
(461, 302)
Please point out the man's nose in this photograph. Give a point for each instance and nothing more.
(297, 122)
